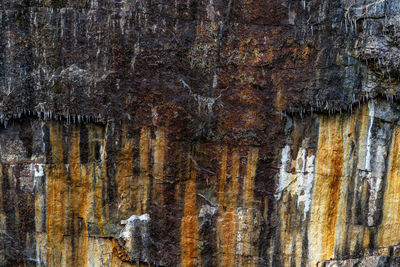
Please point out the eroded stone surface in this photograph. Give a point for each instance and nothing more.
(221, 133)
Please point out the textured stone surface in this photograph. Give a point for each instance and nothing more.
(199, 133)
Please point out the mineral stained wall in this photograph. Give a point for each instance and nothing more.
(199, 133)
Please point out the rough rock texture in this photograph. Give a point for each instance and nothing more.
(199, 133)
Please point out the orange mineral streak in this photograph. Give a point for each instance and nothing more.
(389, 230)
(250, 176)
(56, 191)
(143, 190)
(226, 224)
(189, 225)
(329, 163)
(345, 226)
(78, 203)
(235, 178)
(249, 250)
(73, 199)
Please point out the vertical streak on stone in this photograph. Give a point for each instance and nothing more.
(158, 167)
(247, 216)
(189, 225)
(226, 224)
(334, 176)
(124, 175)
(78, 202)
(56, 143)
(235, 178)
(3, 225)
(361, 186)
(343, 227)
(389, 230)
(143, 191)
(103, 175)
(55, 195)
(285, 175)
(181, 174)
(83, 211)
(40, 210)
(94, 134)
(250, 176)
(356, 235)
(375, 165)
(327, 185)
(39, 198)
(222, 179)
(286, 230)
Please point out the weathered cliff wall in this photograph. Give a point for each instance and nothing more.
(85, 194)
(337, 190)
(199, 133)
(79, 195)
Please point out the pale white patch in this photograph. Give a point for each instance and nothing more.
(130, 224)
(144, 217)
(284, 176)
(38, 170)
(369, 136)
(305, 180)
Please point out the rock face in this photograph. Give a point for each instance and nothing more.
(199, 133)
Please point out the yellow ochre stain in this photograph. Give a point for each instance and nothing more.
(329, 162)
(389, 229)
(55, 196)
(250, 175)
(226, 223)
(249, 252)
(189, 224)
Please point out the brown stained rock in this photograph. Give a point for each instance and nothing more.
(181, 110)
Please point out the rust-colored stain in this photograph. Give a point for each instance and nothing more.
(226, 224)
(250, 176)
(334, 179)
(235, 178)
(329, 163)
(344, 226)
(74, 193)
(248, 220)
(79, 204)
(73, 199)
(189, 224)
(56, 192)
